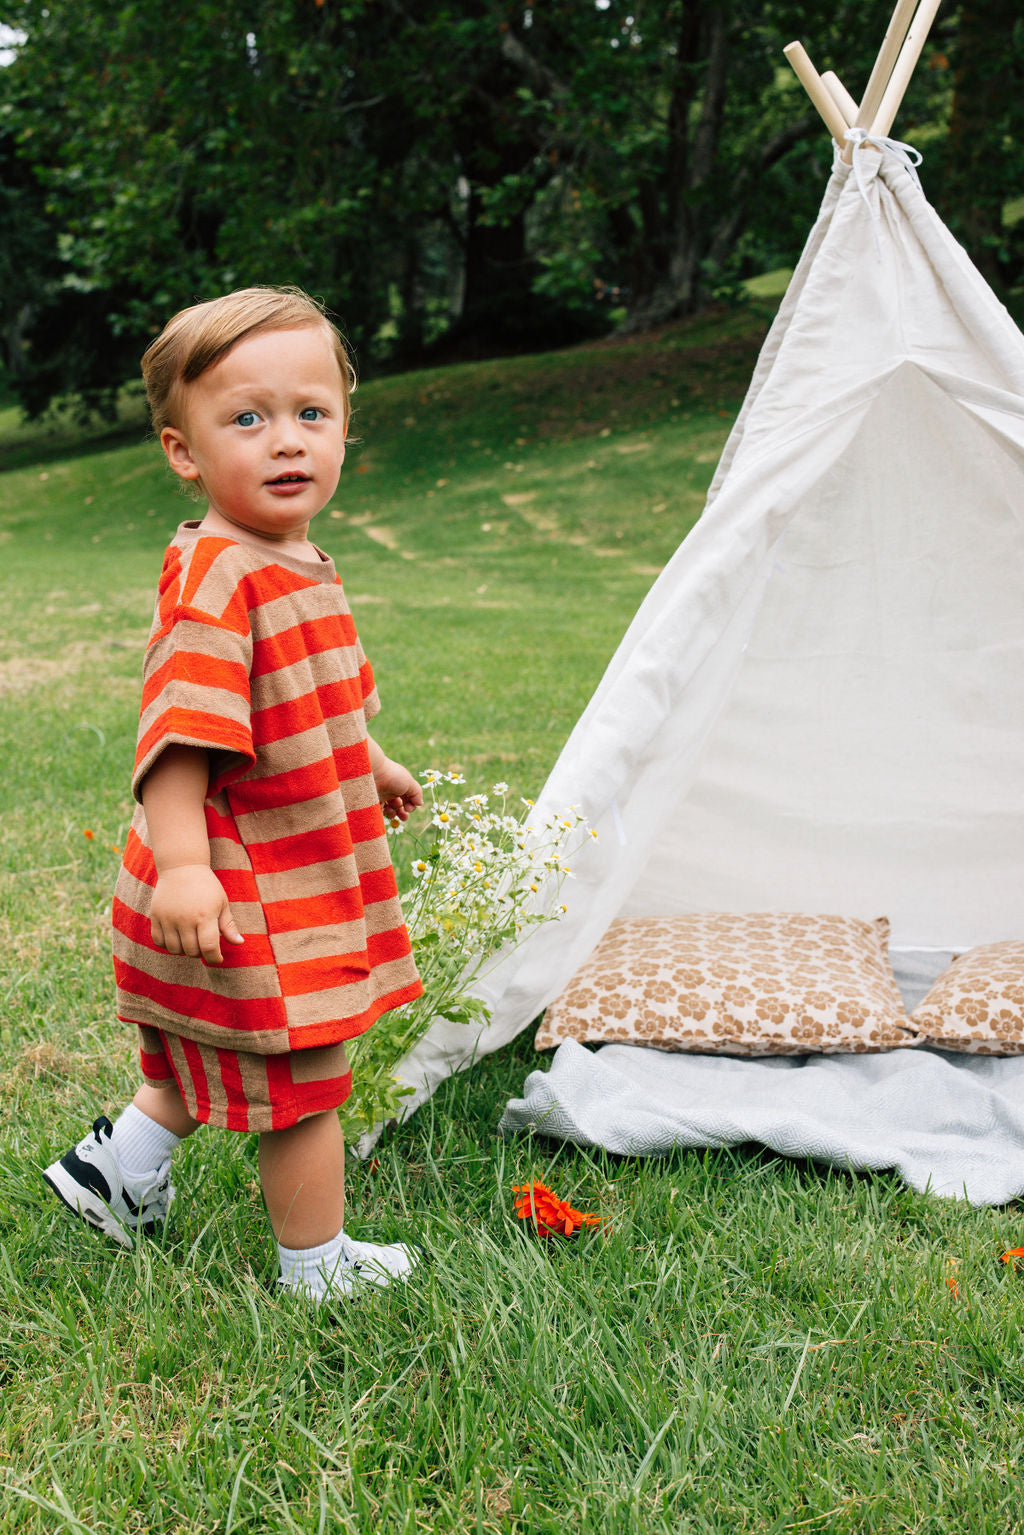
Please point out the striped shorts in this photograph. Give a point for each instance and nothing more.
(236, 1090)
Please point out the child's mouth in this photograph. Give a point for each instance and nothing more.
(289, 481)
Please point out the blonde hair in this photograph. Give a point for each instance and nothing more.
(198, 337)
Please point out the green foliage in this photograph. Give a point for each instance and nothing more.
(189, 159)
(982, 154)
(28, 252)
(480, 876)
(471, 176)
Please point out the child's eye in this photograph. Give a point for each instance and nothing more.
(311, 413)
(246, 418)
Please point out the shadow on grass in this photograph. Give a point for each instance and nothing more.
(65, 443)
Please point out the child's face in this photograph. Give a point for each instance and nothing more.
(263, 432)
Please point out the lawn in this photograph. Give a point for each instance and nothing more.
(748, 1344)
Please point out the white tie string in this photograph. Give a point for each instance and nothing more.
(904, 154)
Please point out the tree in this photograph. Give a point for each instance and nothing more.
(179, 162)
(674, 126)
(298, 142)
(982, 158)
(28, 253)
(468, 174)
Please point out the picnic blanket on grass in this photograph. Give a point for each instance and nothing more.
(949, 1124)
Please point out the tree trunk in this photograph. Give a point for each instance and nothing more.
(974, 187)
(498, 271)
(673, 276)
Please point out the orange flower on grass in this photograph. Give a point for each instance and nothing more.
(952, 1264)
(88, 833)
(552, 1216)
(1014, 1252)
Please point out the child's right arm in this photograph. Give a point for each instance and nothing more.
(190, 910)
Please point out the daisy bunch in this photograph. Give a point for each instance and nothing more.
(481, 874)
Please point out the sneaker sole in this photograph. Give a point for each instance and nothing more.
(88, 1206)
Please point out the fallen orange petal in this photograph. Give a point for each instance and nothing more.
(551, 1216)
(1014, 1252)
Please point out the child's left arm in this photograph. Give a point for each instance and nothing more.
(399, 792)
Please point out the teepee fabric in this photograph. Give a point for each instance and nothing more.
(820, 705)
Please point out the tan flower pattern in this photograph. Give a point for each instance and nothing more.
(977, 1005)
(773, 983)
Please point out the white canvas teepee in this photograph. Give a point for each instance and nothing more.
(820, 704)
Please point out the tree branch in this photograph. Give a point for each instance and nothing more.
(729, 229)
(515, 51)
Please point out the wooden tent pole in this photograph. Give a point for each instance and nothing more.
(840, 95)
(892, 42)
(812, 83)
(904, 67)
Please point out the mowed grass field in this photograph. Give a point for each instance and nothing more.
(748, 1345)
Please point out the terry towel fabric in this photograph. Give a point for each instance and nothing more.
(949, 1124)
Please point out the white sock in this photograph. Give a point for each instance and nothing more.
(312, 1268)
(139, 1143)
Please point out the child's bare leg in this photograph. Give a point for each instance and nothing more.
(302, 1171)
(167, 1107)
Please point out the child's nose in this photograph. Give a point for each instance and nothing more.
(288, 439)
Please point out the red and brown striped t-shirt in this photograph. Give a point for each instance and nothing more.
(255, 657)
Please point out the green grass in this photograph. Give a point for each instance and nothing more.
(750, 1344)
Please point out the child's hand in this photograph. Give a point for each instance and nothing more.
(190, 912)
(399, 792)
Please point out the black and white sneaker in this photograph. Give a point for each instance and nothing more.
(89, 1180)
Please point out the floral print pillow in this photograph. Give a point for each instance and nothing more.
(977, 1005)
(772, 983)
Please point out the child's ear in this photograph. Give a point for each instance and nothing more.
(178, 456)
